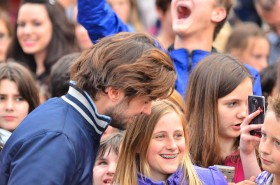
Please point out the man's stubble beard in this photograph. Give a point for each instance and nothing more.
(117, 115)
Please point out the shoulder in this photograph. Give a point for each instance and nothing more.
(210, 175)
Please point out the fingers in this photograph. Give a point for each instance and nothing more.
(246, 137)
(253, 179)
(246, 129)
(248, 142)
(250, 117)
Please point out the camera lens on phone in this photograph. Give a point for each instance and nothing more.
(255, 101)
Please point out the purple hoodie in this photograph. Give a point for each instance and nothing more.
(208, 176)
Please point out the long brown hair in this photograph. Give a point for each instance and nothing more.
(127, 61)
(24, 80)
(213, 78)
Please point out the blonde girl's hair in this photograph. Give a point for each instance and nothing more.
(133, 156)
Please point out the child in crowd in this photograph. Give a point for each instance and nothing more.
(269, 148)
(156, 152)
(195, 23)
(249, 43)
(269, 143)
(216, 105)
(18, 97)
(107, 158)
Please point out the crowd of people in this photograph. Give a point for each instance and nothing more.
(91, 94)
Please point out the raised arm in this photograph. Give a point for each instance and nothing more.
(99, 19)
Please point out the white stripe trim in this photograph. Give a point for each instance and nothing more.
(82, 113)
(72, 91)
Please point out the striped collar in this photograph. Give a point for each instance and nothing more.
(81, 101)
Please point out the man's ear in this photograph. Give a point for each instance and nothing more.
(114, 94)
(218, 14)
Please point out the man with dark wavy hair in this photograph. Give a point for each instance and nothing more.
(112, 83)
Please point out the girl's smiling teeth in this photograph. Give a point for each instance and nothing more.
(169, 156)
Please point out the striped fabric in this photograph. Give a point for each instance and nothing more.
(82, 102)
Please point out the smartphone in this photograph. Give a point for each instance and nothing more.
(257, 103)
(228, 171)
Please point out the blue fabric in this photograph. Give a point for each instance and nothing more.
(257, 88)
(184, 63)
(55, 144)
(211, 175)
(208, 176)
(100, 21)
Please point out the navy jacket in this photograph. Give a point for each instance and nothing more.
(55, 144)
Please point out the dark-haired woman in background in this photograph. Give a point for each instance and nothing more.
(42, 35)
